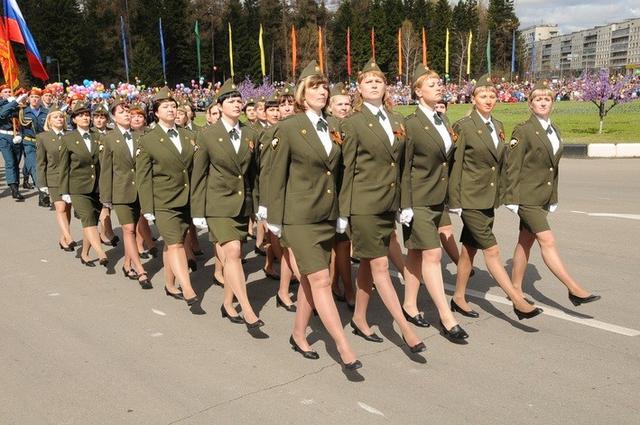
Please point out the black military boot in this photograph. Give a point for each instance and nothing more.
(44, 200)
(25, 183)
(15, 193)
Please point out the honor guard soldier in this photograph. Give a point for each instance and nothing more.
(32, 120)
(10, 139)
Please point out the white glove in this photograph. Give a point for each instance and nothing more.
(457, 211)
(261, 215)
(44, 189)
(405, 216)
(108, 205)
(513, 208)
(149, 217)
(66, 198)
(199, 222)
(17, 139)
(552, 207)
(275, 229)
(22, 97)
(341, 224)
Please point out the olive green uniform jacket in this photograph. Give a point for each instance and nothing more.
(531, 176)
(372, 166)
(263, 164)
(303, 179)
(222, 180)
(162, 172)
(79, 167)
(425, 176)
(475, 173)
(118, 168)
(48, 146)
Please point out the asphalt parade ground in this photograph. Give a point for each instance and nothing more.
(79, 346)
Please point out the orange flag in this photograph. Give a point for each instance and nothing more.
(373, 44)
(424, 47)
(294, 51)
(399, 51)
(320, 50)
(8, 60)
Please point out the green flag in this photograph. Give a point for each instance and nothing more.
(196, 30)
(489, 52)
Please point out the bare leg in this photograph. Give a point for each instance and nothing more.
(177, 259)
(285, 276)
(495, 267)
(218, 272)
(465, 265)
(91, 240)
(521, 258)
(105, 221)
(449, 243)
(395, 253)
(169, 277)
(235, 279)
(552, 259)
(63, 222)
(343, 269)
(260, 233)
(144, 238)
(130, 248)
(412, 282)
(364, 283)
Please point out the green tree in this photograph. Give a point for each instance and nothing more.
(502, 21)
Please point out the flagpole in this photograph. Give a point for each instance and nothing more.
(124, 48)
(231, 51)
(196, 30)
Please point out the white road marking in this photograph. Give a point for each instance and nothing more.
(158, 312)
(612, 215)
(307, 402)
(42, 260)
(54, 294)
(156, 334)
(370, 409)
(549, 311)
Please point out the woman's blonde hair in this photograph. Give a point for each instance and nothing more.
(386, 99)
(479, 89)
(541, 92)
(308, 82)
(50, 115)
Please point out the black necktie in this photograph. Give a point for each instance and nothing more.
(322, 125)
(490, 127)
(436, 119)
(86, 137)
(549, 130)
(381, 116)
(233, 133)
(172, 133)
(127, 135)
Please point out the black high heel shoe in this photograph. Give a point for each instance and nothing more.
(576, 300)
(255, 325)
(176, 295)
(194, 305)
(89, 263)
(418, 348)
(312, 355)
(232, 319)
(371, 338)
(417, 320)
(67, 248)
(527, 315)
(131, 274)
(455, 307)
(455, 334)
(112, 242)
(192, 265)
(279, 303)
(144, 283)
(354, 365)
(103, 262)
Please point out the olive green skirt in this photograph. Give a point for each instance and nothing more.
(225, 229)
(422, 232)
(173, 224)
(371, 234)
(478, 228)
(311, 244)
(127, 213)
(533, 218)
(54, 194)
(87, 207)
(445, 220)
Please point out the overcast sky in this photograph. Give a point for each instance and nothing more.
(573, 15)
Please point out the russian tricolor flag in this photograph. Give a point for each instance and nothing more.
(17, 31)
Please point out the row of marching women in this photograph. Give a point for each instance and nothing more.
(326, 180)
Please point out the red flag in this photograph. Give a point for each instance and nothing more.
(373, 44)
(294, 51)
(348, 52)
(7, 59)
(320, 50)
(424, 47)
(399, 51)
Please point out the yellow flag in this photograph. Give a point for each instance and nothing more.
(262, 61)
(230, 51)
(446, 52)
(469, 53)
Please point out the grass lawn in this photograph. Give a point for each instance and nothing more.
(578, 121)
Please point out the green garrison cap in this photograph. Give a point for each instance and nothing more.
(163, 94)
(371, 66)
(54, 108)
(339, 89)
(79, 107)
(312, 69)
(116, 102)
(485, 81)
(273, 99)
(542, 85)
(420, 70)
(100, 109)
(228, 87)
(288, 90)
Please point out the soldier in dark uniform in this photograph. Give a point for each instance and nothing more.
(79, 176)
(532, 191)
(48, 162)
(221, 197)
(303, 207)
(474, 193)
(250, 111)
(164, 160)
(370, 197)
(32, 120)
(10, 142)
(429, 150)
